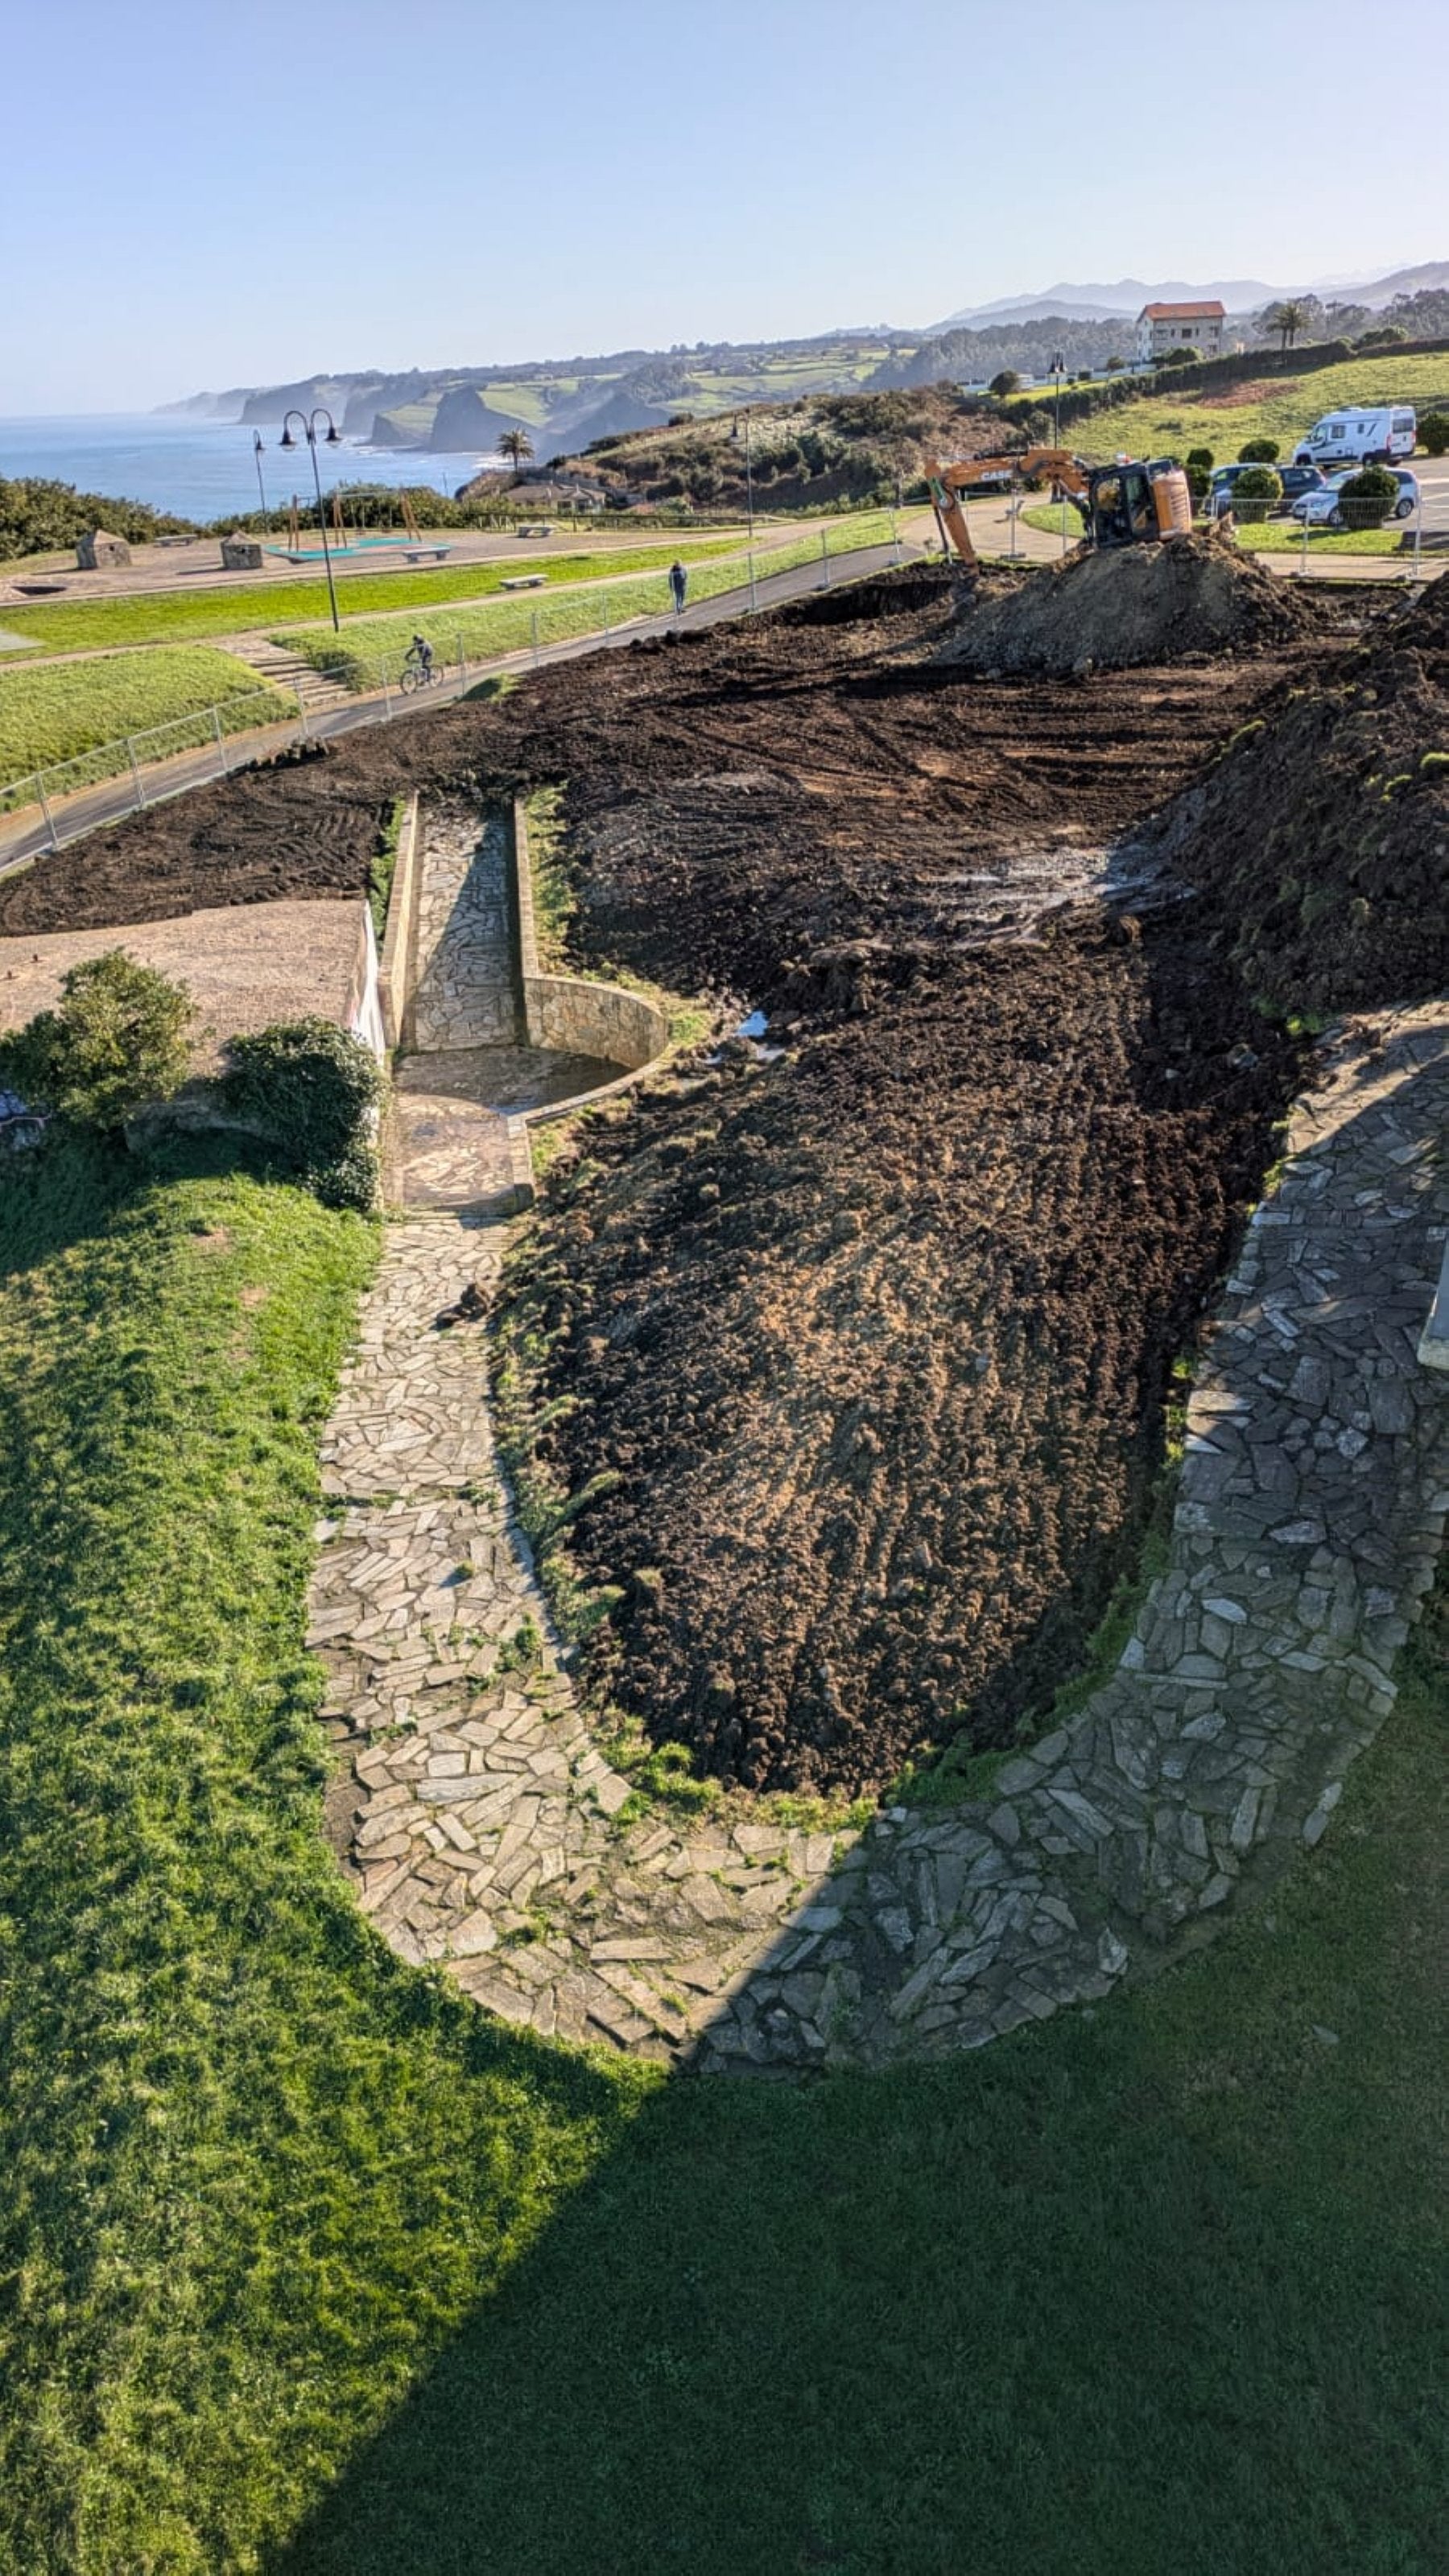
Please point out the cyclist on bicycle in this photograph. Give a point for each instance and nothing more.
(421, 651)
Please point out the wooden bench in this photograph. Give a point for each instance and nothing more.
(419, 554)
(525, 581)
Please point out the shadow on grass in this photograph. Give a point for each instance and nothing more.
(1152, 2287)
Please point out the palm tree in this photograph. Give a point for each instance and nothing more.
(1287, 319)
(517, 444)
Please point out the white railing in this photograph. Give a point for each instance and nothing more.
(133, 754)
(361, 680)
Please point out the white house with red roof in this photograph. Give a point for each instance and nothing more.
(1198, 327)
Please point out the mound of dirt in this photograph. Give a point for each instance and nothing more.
(1321, 837)
(1120, 607)
(871, 1344)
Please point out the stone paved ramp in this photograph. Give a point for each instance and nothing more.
(1311, 1508)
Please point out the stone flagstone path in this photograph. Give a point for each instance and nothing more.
(488, 1831)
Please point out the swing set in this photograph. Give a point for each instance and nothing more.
(411, 543)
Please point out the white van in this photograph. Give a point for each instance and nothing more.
(1359, 437)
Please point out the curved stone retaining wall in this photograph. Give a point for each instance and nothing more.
(570, 1015)
(1311, 1510)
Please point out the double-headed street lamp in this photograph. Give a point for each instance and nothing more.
(309, 422)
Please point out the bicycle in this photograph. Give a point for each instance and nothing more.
(417, 674)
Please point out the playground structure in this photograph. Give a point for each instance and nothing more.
(411, 543)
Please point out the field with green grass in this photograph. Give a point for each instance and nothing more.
(1169, 422)
(1054, 519)
(1265, 537)
(1285, 536)
(62, 709)
(81, 625)
(370, 646)
(295, 2236)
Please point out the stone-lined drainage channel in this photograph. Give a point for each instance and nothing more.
(1311, 1508)
(468, 1075)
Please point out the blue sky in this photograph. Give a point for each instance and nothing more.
(206, 194)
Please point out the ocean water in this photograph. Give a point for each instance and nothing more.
(204, 469)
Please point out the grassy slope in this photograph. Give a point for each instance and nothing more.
(507, 626)
(81, 625)
(1156, 2286)
(1169, 422)
(64, 708)
(1159, 2287)
(254, 2169)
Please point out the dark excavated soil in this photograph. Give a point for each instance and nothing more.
(869, 1341)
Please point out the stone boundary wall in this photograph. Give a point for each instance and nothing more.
(569, 1014)
(491, 1835)
(398, 967)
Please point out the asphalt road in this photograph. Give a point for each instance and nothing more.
(117, 797)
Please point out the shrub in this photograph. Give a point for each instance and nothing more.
(1434, 433)
(1199, 480)
(1007, 382)
(1255, 492)
(1368, 496)
(1259, 451)
(1114, 366)
(117, 1041)
(1202, 456)
(1180, 358)
(316, 1092)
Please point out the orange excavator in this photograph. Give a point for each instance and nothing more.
(1125, 504)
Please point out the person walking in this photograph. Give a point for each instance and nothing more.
(678, 583)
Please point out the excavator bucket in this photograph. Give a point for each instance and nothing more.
(951, 520)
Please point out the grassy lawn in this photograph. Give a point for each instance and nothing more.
(82, 625)
(1269, 536)
(62, 709)
(1054, 519)
(1169, 422)
(255, 2170)
(1158, 2286)
(507, 626)
(1284, 536)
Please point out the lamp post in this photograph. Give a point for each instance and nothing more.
(309, 422)
(261, 487)
(1058, 370)
(749, 502)
(749, 479)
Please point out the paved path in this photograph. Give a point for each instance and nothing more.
(489, 1831)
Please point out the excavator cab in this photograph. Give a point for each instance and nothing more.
(1127, 504)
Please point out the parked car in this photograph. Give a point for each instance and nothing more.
(1320, 509)
(1371, 435)
(20, 1126)
(1295, 479)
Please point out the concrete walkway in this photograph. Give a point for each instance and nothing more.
(488, 1831)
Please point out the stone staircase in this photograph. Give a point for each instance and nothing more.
(286, 670)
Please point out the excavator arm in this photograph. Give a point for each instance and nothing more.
(1120, 504)
(1066, 472)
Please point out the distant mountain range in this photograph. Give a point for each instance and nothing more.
(1125, 297)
